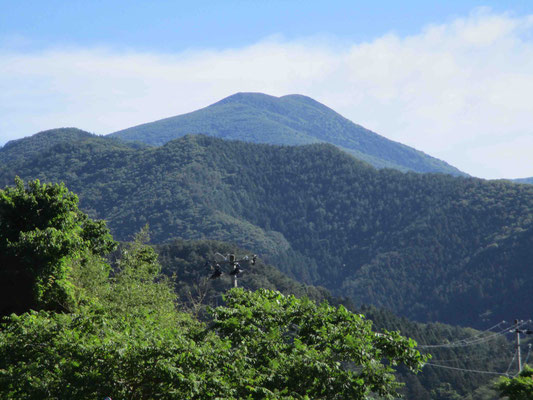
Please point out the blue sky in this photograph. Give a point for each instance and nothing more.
(451, 78)
(171, 26)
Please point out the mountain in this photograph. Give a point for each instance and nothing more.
(524, 180)
(288, 120)
(28, 147)
(431, 247)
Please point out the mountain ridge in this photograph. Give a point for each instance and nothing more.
(287, 120)
(524, 180)
(42, 141)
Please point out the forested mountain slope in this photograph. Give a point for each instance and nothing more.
(25, 148)
(524, 180)
(287, 120)
(428, 246)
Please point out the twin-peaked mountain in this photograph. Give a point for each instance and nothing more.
(287, 120)
(427, 246)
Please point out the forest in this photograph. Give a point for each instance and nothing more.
(430, 247)
(76, 326)
(85, 316)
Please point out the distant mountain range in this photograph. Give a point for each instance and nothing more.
(287, 120)
(428, 246)
(524, 180)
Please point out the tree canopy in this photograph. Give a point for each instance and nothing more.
(293, 348)
(42, 233)
(518, 388)
(260, 345)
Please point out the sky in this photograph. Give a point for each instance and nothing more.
(451, 78)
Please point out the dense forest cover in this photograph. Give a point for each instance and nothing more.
(98, 330)
(24, 149)
(287, 120)
(428, 246)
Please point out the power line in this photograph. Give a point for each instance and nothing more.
(464, 342)
(511, 363)
(466, 370)
(476, 339)
(470, 358)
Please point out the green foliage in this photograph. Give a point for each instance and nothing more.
(25, 149)
(93, 354)
(519, 387)
(128, 342)
(524, 180)
(293, 348)
(445, 392)
(137, 287)
(260, 345)
(124, 337)
(42, 233)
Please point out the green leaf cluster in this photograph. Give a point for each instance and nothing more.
(519, 387)
(42, 235)
(297, 349)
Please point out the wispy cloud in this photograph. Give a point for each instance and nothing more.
(459, 91)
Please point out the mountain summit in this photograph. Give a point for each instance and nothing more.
(286, 120)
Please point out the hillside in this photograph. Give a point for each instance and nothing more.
(428, 246)
(287, 120)
(25, 148)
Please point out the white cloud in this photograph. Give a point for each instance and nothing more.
(459, 91)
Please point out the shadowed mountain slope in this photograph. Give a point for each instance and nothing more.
(287, 120)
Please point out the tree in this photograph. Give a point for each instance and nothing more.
(129, 343)
(261, 345)
(138, 287)
(42, 235)
(286, 347)
(92, 353)
(519, 387)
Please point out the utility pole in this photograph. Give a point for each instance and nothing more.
(518, 331)
(234, 264)
(518, 356)
(235, 269)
